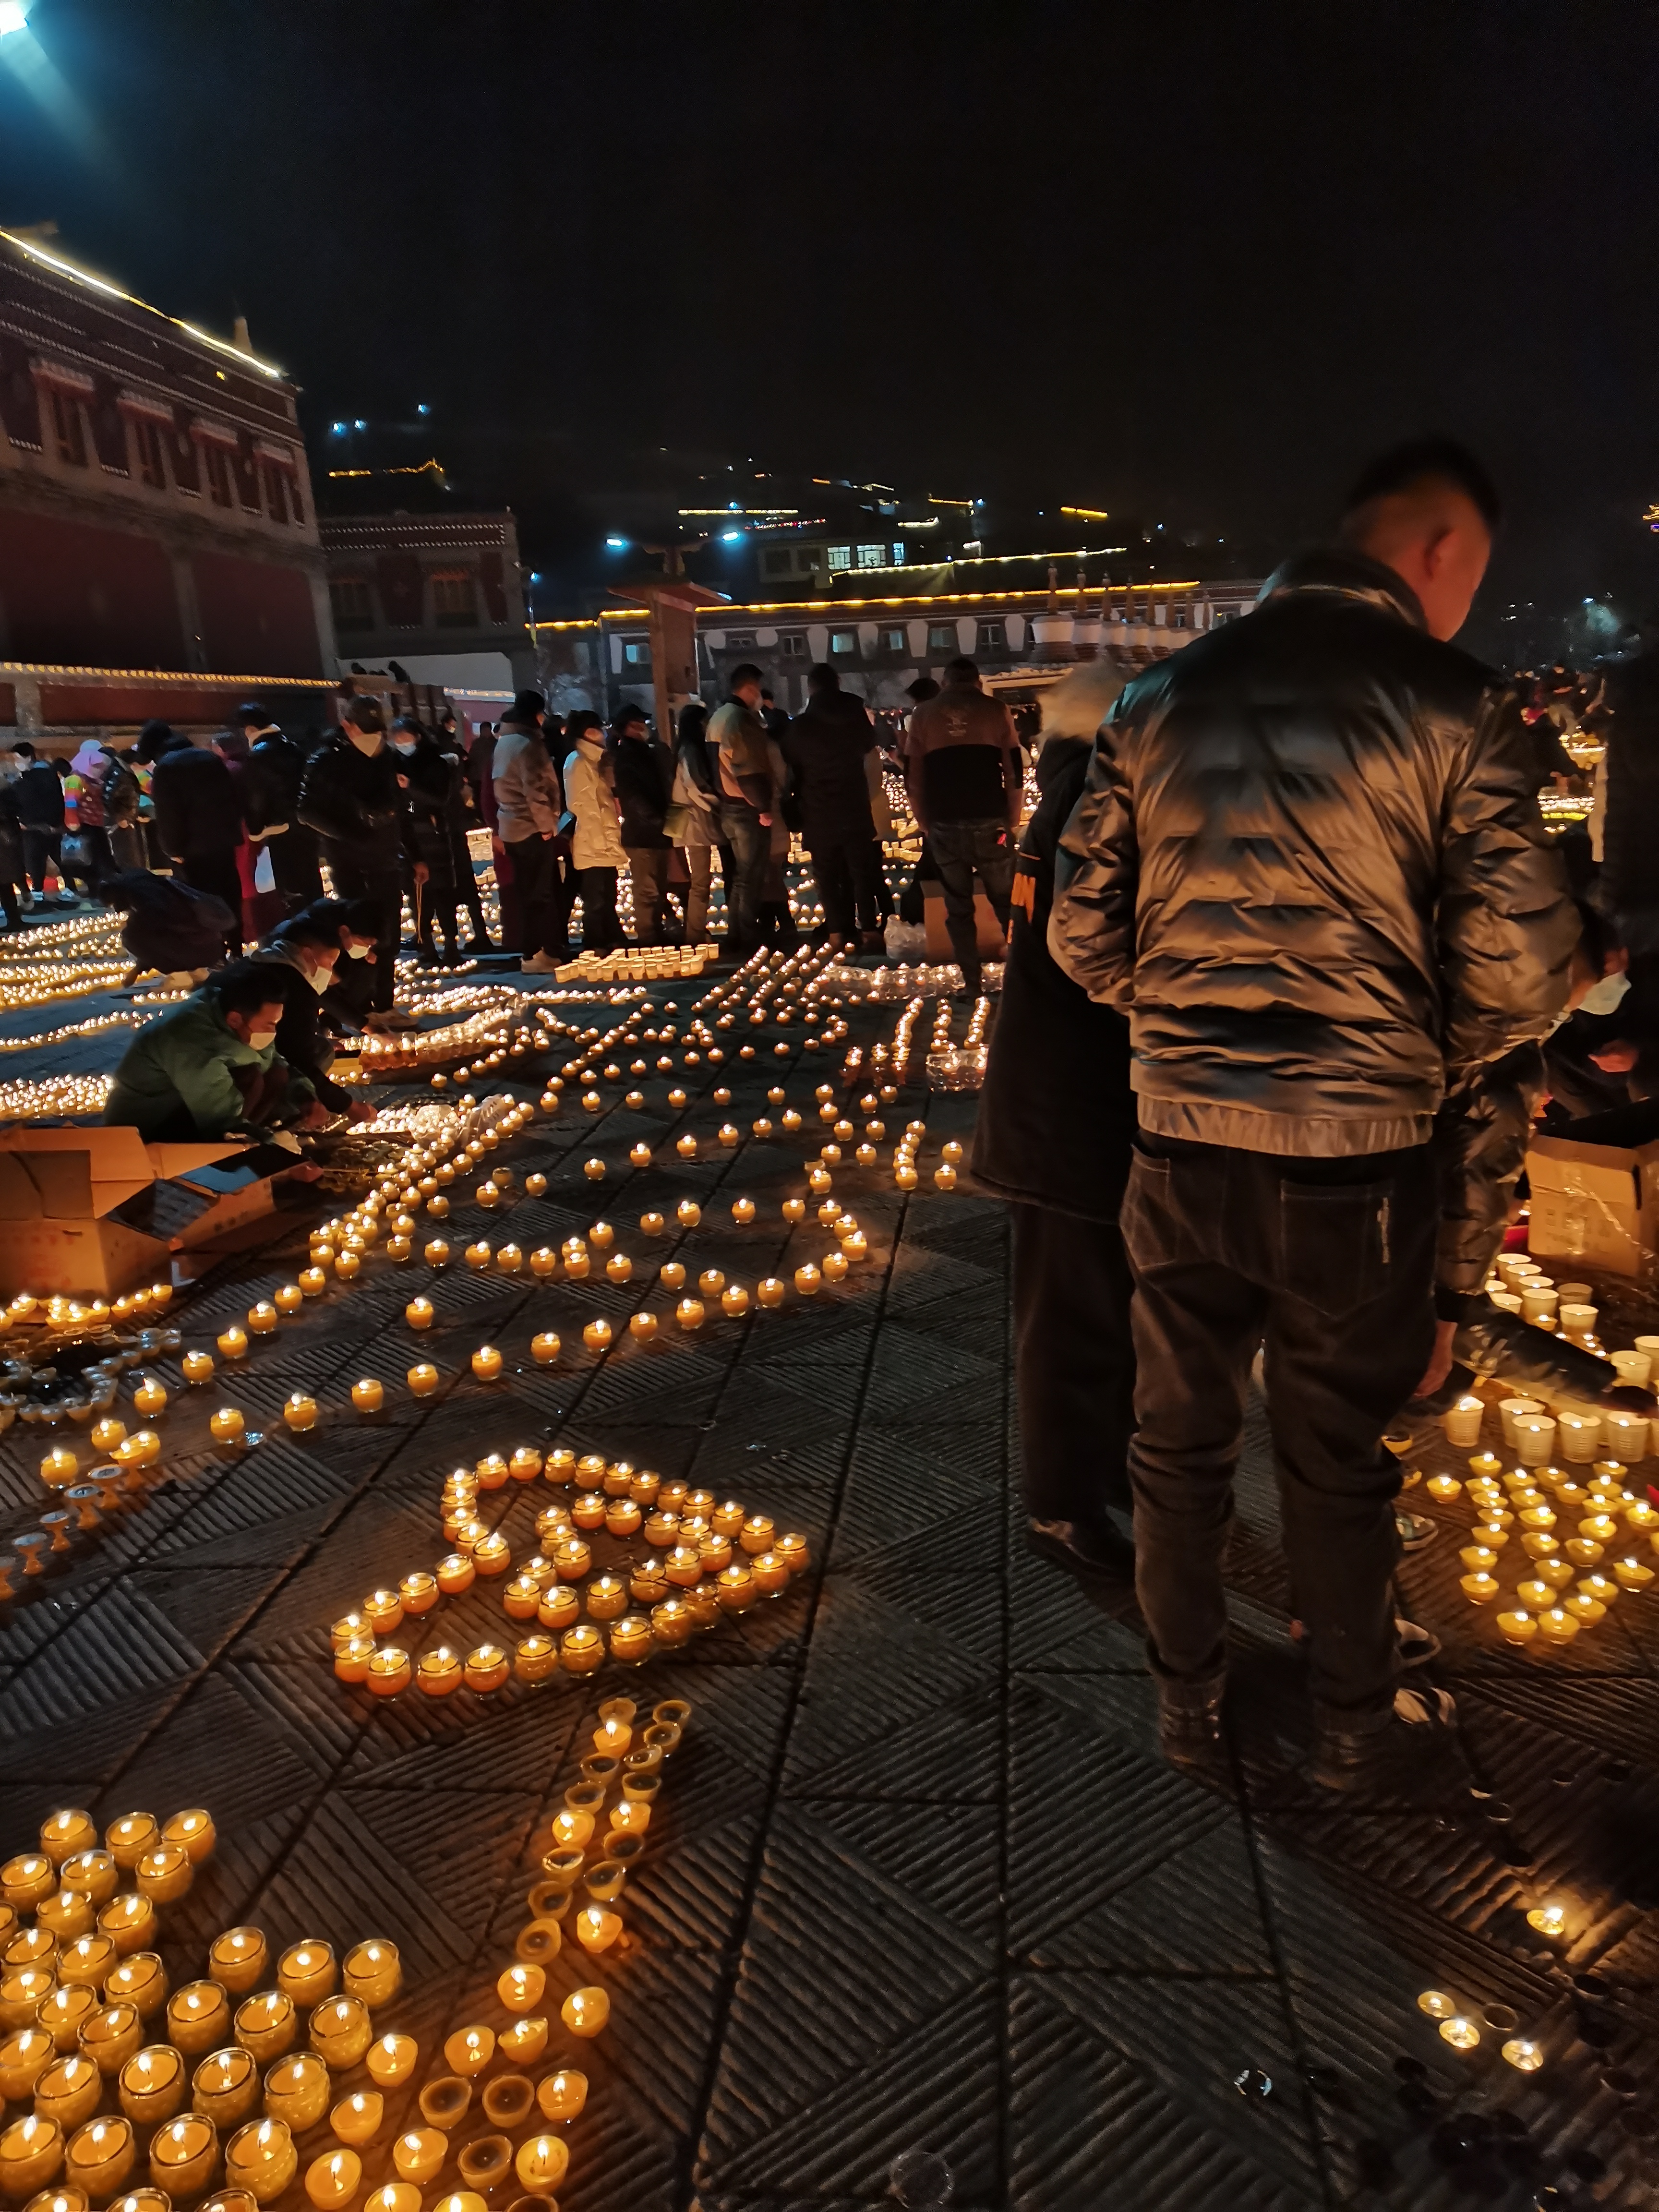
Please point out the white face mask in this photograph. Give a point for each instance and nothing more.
(367, 741)
(405, 744)
(358, 951)
(262, 1040)
(1603, 998)
(320, 979)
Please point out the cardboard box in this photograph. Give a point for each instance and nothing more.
(1595, 1205)
(99, 1211)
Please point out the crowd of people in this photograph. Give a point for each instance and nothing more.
(1290, 950)
(210, 849)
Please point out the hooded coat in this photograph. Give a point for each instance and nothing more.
(596, 842)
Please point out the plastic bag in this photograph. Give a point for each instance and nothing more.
(264, 875)
(905, 940)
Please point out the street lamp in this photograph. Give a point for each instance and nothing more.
(14, 16)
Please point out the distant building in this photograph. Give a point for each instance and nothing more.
(156, 524)
(441, 594)
(1022, 639)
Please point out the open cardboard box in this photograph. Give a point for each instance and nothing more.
(1596, 1205)
(98, 1210)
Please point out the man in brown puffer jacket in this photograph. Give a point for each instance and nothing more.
(1309, 865)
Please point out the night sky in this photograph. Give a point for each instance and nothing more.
(1187, 261)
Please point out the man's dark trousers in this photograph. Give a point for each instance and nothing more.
(961, 851)
(1328, 1265)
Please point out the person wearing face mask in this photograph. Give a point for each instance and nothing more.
(528, 805)
(208, 1069)
(352, 797)
(302, 954)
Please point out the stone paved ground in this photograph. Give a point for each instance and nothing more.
(920, 1881)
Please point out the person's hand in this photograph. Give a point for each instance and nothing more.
(766, 822)
(1617, 1058)
(548, 835)
(316, 1116)
(361, 1110)
(1440, 1360)
(303, 1171)
(422, 872)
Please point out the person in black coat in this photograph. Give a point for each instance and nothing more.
(352, 797)
(305, 952)
(281, 765)
(1055, 1137)
(644, 769)
(14, 870)
(40, 795)
(825, 746)
(431, 782)
(198, 817)
(169, 926)
(463, 817)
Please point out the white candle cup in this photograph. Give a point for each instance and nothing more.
(1575, 1294)
(1625, 1435)
(1506, 1300)
(1510, 1410)
(1536, 1304)
(1650, 1345)
(1462, 1422)
(1511, 1264)
(1534, 1439)
(1580, 1436)
(1634, 1367)
(1576, 1320)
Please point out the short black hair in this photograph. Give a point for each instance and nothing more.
(24, 747)
(408, 722)
(253, 714)
(247, 985)
(527, 706)
(579, 720)
(824, 678)
(627, 714)
(965, 665)
(745, 672)
(923, 688)
(1421, 460)
(360, 916)
(366, 712)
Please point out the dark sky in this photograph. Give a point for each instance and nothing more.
(1189, 260)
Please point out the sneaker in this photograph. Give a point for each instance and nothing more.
(1189, 1723)
(1086, 1546)
(1396, 1753)
(1417, 1532)
(538, 964)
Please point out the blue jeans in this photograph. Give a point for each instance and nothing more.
(752, 848)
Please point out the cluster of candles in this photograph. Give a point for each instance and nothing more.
(707, 1560)
(1463, 2033)
(1605, 1516)
(886, 984)
(619, 1786)
(644, 963)
(958, 1066)
(45, 1098)
(117, 2065)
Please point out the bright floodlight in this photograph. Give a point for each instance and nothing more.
(14, 16)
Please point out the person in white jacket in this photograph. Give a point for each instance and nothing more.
(596, 845)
